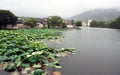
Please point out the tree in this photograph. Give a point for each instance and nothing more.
(94, 24)
(6, 18)
(72, 22)
(32, 22)
(55, 22)
(102, 24)
(115, 23)
(78, 23)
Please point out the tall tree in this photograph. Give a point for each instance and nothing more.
(6, 18)
(102, 24)
(78, 23)
(32, 22)
(94, 24)
(115, 23)
(72, 22)
(55, 21)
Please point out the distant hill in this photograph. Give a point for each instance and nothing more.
(98, 14)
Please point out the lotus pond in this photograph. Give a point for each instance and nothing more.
(25, 52)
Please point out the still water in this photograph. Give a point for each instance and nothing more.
(98, 52)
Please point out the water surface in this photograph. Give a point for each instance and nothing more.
(98, 52)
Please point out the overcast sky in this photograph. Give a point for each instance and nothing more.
(63, 8)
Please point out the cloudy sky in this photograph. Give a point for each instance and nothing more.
(64, 8)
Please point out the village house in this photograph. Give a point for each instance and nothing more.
(42, 22)
(86, 23)
(18, 25)
(69, 23)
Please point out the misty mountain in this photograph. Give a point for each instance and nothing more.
(98, 14)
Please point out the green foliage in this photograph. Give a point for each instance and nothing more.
(55, 22)
(7, 17)
(39, 72)
(41, 33)
(94, 24)
(67, 49)
(10, 67)
(115, 23)
(101, 24)
(25, 48)
(78, 23)
(30, 22)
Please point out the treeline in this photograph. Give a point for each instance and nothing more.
(8, 18)
(105, 24)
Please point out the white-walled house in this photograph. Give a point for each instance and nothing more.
(86, 23)
(70, 26)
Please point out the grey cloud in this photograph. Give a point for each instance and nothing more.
(64, 8)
